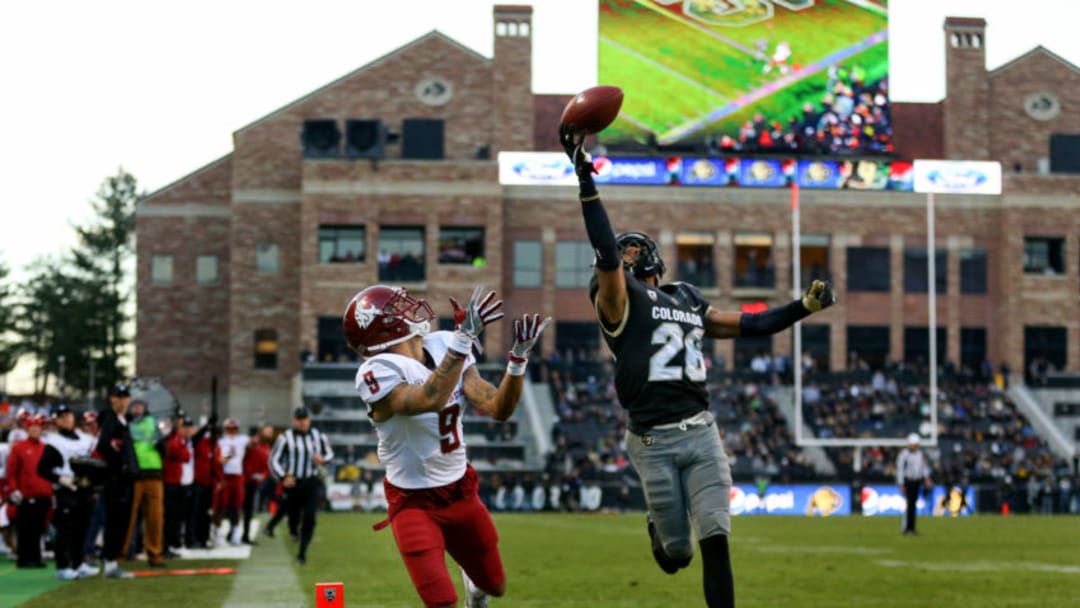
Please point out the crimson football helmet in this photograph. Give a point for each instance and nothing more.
(382, 316)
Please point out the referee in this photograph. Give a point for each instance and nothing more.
(912, 473)
(296, 460)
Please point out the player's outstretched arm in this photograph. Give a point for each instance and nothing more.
(611, 297)
(500, 403)
(734, 324)
(431, 396)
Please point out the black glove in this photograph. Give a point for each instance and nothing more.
(574, 145)
(819, 296)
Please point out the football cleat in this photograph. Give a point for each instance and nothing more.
(667, 564)
(474, 596)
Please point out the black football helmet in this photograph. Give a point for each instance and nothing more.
(647, 263)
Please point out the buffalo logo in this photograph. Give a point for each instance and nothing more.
(703, 169)
(762, 171)
(652, 295)
(364, 316)
(824, 502)
(330, 594)
(818, 173)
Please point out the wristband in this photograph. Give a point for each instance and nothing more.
(461, 344)
(516, 366)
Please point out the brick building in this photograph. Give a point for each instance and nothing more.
(245, 265)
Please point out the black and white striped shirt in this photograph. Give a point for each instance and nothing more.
(911, 465)
(293, 451)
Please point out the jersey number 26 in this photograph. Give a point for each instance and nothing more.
(671, 336)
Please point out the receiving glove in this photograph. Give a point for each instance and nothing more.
(469, 321)
(819, 296)
(68, 482)
(574, 146)
(527, 331)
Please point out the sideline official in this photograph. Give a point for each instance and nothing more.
(296, 460)
(912, 473)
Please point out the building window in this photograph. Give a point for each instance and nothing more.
(973, 350)
(868, 269)
(332, 345)
(917, 346)
(341, 244)
(813, 258)
(573, 263)
(753, 353)
(267, 258)
(401, 254)
(868, 346)
(206, 271)
(815, 347)
(528, 263)
(1045, 351)
(1044, 255)
(916, 268)
(161, 269)
(972, 271)
(578, 339)
(694, 251)
(459, 245)
(266, 349)
(753, 261)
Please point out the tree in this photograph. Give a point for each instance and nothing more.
(105, 249)
(9, 348)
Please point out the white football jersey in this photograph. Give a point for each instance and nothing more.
(423, 451)
(232, 447)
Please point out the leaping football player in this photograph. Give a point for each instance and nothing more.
(416, 385)
(655, 332)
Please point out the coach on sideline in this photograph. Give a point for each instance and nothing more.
(296, 460)
(912, 472)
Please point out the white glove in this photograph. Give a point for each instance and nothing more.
(527, 331)
(68, 482)
(16, 497)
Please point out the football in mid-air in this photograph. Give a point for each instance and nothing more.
(593, 109)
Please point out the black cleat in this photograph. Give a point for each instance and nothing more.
(268, 531)
(667, 564)
(301, 560)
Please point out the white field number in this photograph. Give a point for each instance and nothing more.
(671, 336)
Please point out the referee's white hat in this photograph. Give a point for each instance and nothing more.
(913, 439)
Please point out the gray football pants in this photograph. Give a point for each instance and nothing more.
(686, 478)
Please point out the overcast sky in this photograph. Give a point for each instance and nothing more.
(159, 88)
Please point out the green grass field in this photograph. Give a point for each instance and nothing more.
(675, 70)
(602, 560)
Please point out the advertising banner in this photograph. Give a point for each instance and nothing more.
(889, 500)
(812, 500)
(958, 177)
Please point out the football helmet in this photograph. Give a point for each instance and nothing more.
(647, 262)
(381, 316)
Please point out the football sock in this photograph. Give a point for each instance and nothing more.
(716, 567)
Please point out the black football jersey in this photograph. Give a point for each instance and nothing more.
(659, 367)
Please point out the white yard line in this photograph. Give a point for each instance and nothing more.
(663, 68)
(267, 579)
(980, 566)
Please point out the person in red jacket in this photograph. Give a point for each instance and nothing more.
(256, 471)
(207, 473)
(31, 492)
(177, 453)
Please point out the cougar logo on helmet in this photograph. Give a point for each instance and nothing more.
(364, 316)
(381, 316)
